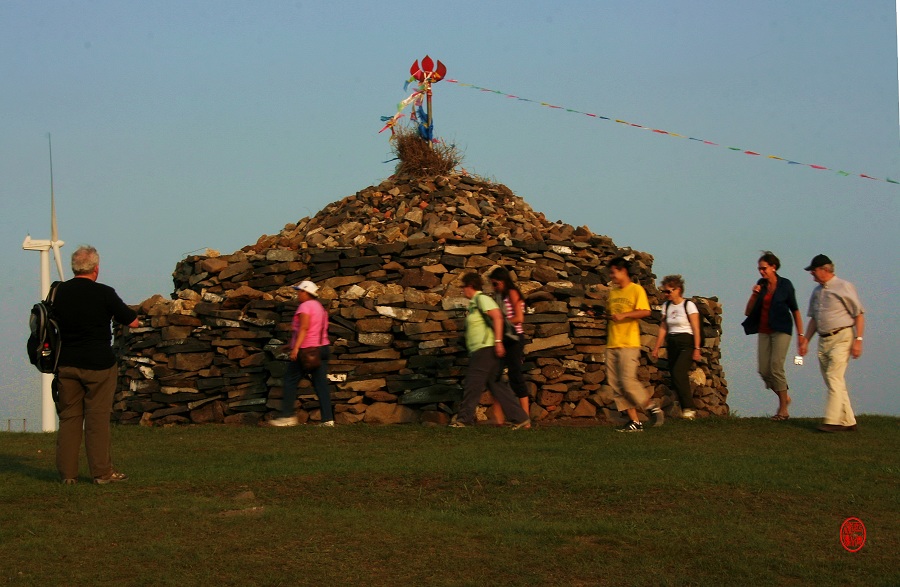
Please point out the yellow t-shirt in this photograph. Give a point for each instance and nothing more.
(627, 333)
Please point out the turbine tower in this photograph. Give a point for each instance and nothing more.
(48, 409)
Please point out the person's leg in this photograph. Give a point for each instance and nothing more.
(612, 377)
(764, 358)
(289, 388)
(513, 362)
(780, 343)
(319, 377)
(100, 389)
(499, 416)
(632, 389)
(70, 409)
(504, 395)
(481, 366)
(628, 393)
(834, 354)
(680, 348)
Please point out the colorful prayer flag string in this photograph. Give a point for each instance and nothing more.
(665, 132)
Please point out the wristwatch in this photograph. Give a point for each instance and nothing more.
(859, 338)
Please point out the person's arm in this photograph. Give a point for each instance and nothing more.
(798, 321)
(121, 312)
(860, 327)
(804, 341)
(698, 334)
(663, 328)
(634, 315)
(497, 319)
(301, 335)
(752, 301)
(518, 305)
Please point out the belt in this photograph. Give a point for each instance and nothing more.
(835, 331)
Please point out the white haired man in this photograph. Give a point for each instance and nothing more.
(87, 368)
(838, 317)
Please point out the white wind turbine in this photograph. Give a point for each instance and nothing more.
(48, 409)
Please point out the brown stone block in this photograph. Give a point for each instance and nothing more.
(193, 361)
(254, 360)
(381, 396)
(549, 398)
(379, 367)
(374, 324)
(389, 413)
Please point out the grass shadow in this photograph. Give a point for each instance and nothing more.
(17, 465)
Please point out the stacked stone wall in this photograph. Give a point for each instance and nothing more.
(388, 261)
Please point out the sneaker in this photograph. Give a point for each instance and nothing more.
(327, 424)
(456, 424)
(288, 421)
(526, 424)
(113, 477)
(689, 414)
(631, 427)
(657, 416)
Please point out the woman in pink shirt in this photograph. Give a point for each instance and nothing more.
(310, 331)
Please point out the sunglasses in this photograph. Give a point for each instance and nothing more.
(668, 291)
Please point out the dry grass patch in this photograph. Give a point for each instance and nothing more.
(420, 158)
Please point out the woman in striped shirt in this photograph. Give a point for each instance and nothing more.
(512, 304)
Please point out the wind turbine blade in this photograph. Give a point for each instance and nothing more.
(54, 232)
(55, 245)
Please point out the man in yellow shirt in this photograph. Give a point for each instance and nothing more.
(626, 307)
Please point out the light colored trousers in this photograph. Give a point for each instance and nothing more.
(834, 354)
(771, 351)
(621, 372)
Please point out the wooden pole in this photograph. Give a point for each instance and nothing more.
(430, 120)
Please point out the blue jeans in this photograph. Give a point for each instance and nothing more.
(319, 377)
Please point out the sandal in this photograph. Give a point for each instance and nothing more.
(113, 477)
(779, 418)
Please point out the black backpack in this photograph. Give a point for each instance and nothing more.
(45, 342)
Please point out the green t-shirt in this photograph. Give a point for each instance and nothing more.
(479, 333)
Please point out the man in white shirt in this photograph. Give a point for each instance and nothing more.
(838, 317)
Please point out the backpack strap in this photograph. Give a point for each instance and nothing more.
(686, 315)
(51, 294)
(489, 325)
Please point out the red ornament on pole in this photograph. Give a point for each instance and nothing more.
(426, 74)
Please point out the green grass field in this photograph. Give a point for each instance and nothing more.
(736, 501)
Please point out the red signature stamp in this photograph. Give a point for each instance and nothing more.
(853, 534)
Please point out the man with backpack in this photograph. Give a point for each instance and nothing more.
(484, 341)
(87, 370)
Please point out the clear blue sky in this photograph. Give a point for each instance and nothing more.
(184, 125)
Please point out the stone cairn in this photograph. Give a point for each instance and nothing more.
(388, 261)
